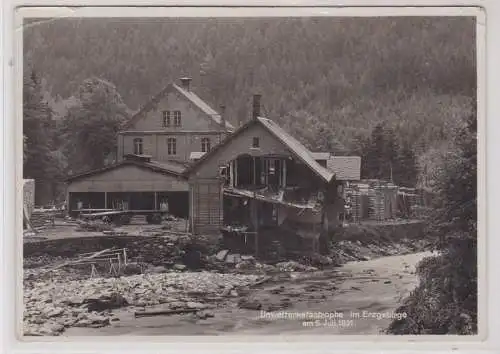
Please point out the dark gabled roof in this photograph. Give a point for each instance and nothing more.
(296, 147)
(189, 95)
(167, 168)
(346, 168)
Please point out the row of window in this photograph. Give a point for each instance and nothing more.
(171, 146)
(171, 118)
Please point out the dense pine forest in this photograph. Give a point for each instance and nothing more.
(389, 89)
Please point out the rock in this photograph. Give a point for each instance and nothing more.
(268, 268)
(221, 255)
(132, 269)
(233, 293)
(158, 269)
(248, 258)
(195, 305)
(243, 265)
(387, 282)
(230, 259)
(106, 302)
(74, 301)
(204, 315)
(291, 266)
(179, 267)
(55, 312)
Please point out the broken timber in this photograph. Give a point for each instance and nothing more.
(165, 312)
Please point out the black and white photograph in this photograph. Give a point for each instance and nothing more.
(249, 175)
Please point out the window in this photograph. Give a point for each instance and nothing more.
(177, 118)
(205, 144)
(166, 119)
(256, 142)
(138, 146)
(171, 146)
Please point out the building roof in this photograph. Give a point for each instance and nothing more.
(189, 95)
(296, 147)
(346, 168)
(320, 155)
(168, 168)
(196, 155)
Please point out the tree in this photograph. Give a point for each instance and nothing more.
(380, 155)
(91, 124)
(38, 132)
(445, 302)
(406, 171)
(314, 133)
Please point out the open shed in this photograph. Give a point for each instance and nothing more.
(136, 183)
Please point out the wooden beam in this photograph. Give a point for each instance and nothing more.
(105, 200)
(156, 201)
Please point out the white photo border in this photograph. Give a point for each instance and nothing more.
(488, 51)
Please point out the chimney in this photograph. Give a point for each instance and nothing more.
(256, 106)
(223, 116)
(186, 83)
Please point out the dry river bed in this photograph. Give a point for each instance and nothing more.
(353, 295)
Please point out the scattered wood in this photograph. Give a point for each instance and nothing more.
(165, 312)
(262, 281)
(175, 233)
(93, 256)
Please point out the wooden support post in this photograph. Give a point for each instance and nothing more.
(235, 173)
(156, 201)
(256, 243)
(105, 200)
(255, 223)
(68, 203)
(254, 171)
(284, 173)
(231, 174)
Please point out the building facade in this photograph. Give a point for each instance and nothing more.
(173, 125)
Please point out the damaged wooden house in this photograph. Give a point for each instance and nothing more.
(262, 186)
(154, 148)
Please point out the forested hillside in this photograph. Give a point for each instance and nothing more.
(329, 81)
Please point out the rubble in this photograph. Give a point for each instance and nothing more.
(292, 266)
(52, 305)
(94, 225)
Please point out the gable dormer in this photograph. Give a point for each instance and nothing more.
(177, 107)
